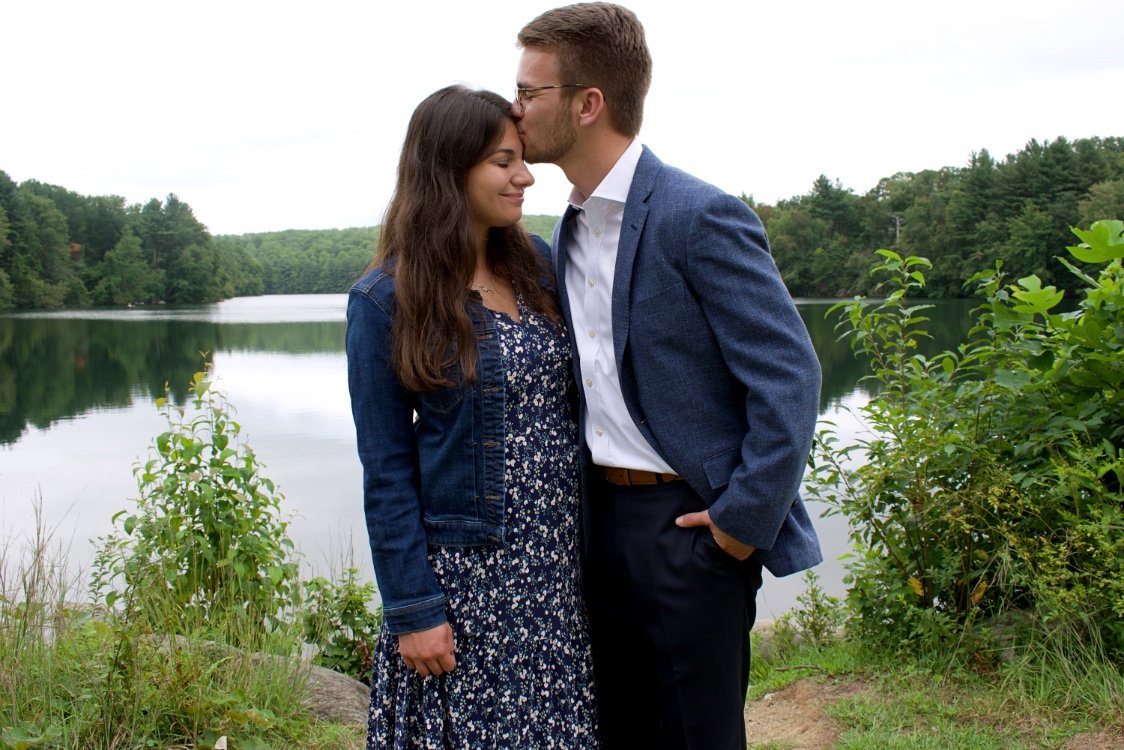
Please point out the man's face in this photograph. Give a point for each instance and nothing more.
(546, 120)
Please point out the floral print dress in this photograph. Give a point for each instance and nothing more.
(523, 679)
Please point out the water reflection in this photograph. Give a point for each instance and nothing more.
(948, 325)
(54, 368)
(57, 366)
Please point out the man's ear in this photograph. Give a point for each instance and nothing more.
(592, 107)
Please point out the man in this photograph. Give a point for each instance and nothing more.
(699, 389)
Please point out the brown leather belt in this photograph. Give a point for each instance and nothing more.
(632, 477)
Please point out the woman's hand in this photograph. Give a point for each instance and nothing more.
(428, 651)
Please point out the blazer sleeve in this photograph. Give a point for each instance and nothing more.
(383, 415)
(766, 347)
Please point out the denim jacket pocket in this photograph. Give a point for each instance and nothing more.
(443, 400)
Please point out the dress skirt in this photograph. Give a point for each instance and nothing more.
(524, 676)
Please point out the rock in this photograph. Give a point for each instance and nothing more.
(335, 697)
(328, 695)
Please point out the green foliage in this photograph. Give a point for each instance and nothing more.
(962, 218)
(205, 545)
(84, 677)
(929, 712)
(877, 700)
(991, 481)
(58, 248)
(322, 261)
(124, 277)
(39, 261)
(206, 553)
(336, 618)
(7, 295)
(241, 272)
(1103, 199)
(27, 736)
(540, 224)
(71, 679)
(310, 261)
(1017, 209)
(817, 616)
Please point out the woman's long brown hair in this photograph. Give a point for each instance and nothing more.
(428, 239)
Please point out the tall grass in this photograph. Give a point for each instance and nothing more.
(1065, 664)
(76, 677)
(36, 624)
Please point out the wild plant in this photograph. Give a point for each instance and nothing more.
(989, 483)
(206, 546)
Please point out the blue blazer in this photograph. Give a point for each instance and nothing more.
(716, 366)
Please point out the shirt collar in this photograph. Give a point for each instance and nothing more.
(616, 184)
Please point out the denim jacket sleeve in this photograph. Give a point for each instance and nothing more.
(383, 413)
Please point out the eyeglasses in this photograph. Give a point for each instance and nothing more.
(521, 94)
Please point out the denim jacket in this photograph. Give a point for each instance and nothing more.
(438, 480)
(434, 480)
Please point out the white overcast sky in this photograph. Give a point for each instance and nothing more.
(276, 115)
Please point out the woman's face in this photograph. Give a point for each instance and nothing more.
(496, 184)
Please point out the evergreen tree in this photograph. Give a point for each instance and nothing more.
(124, 276)
(41, 269)
(7, 295)
(1103, 200)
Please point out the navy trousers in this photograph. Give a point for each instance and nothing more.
(670, 614)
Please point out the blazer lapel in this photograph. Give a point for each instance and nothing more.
(632, 227)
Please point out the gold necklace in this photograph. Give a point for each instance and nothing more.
(491, 291)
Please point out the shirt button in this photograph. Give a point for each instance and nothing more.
(592, 333)
(600, 432)
(589, 382)
(596, 232)
(590, 283)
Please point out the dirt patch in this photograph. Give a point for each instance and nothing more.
(1096, 741)
(794, 717)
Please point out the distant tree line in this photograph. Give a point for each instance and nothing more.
(61, 249)
(962, 218)
(325, 261)
(309, 261)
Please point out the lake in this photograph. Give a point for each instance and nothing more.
(77, 413)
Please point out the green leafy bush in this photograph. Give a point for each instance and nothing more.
(205, 547)
(337, 619)
(813, 623)
(990, 482)
(198, 579)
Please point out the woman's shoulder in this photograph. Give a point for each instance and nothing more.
(375, 281)
(377, 286)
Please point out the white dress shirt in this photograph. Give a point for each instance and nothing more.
(591, 261)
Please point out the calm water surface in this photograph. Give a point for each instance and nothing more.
(77, 412)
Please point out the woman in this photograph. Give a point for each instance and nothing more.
(460, 378)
